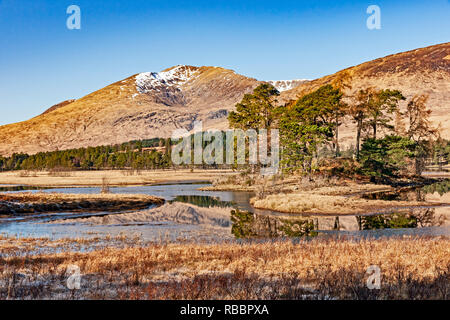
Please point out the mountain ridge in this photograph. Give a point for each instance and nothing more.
(119, 112)
(419, 71)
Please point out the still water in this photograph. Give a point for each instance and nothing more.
(259, 223)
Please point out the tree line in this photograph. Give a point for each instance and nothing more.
(130, 155)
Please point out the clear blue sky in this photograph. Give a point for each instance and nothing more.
(43, 63)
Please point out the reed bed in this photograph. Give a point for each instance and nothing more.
(411, 268)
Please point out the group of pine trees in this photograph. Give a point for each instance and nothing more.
(129, 155)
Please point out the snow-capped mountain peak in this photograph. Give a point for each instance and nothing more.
(173, 77)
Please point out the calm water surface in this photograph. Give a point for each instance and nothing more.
(353, 226)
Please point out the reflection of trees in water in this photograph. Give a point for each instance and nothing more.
(425, 217)
(417, 194)
(21, 188)
(337, 224)
(388, 221)
(251, 225)
(203, 201)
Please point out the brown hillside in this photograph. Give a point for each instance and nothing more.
(420, 71)
(139, 107)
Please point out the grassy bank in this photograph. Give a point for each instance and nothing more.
(319, 194)
(309, 203)
(27, 202)
(416, 268)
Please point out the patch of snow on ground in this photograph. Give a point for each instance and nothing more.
(284, 85)
(174, 77)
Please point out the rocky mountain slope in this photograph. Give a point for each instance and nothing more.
(284, 85)
(420, 71)
(142, 106)
(154, 104)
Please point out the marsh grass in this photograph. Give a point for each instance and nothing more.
(412, 268)
(320, 203)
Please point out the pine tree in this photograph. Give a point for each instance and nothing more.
(420, 129)
(255, 111)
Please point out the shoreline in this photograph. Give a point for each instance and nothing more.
(325, 198)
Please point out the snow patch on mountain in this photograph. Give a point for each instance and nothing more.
(173, 77)
(284, 85)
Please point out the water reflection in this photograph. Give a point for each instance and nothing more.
(263, 223)
(388, 221)
(6, 188)
(203, 201)
(251, 225)
(247, 224)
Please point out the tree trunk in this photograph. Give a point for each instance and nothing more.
(358, 137)
(337, 136)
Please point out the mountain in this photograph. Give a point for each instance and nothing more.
(420, 71)
(146, 105)
(154, 104)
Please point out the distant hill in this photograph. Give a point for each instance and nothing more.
(142, 106)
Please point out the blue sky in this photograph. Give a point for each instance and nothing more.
(43, 63)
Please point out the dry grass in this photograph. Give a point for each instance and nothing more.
(318, 269)
(54, 197)
(318, 184)
(114, 177)
(308, 202)
(27, 202)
